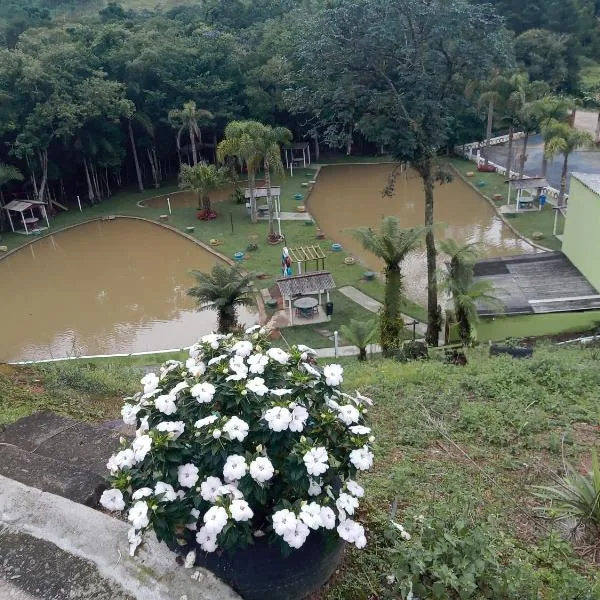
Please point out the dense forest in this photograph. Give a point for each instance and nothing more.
(85, 86)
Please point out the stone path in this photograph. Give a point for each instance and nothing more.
(290, 216)
(374, 306)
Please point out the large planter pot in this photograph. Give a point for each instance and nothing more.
(260, 572)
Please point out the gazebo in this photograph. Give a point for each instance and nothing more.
(524, 189)
(317, 282)
(292, 151)
(261, 193)
(30, 223)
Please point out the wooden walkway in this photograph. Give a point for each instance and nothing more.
(537, 283)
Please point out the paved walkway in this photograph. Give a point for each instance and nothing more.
(290, 216)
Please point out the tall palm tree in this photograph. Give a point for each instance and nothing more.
(240, 143)
(223, 290)
(391, 244)
(268, 142)
(360, 334)
(564, 139)
(465, 292)
(202, 179)
(187, 118)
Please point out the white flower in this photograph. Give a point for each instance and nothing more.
(230, 490)
(190, 559)
(182, 385)
(240, 370)
(362, 458)
(216, 434)
(314, 489)
(278, 355)
(236, 429)
(347, 503)
(112, 500)
(207, 540)
(333, 375)
(363, 399)
(331, 403)
(134, 538)
(206, 421)
(281, 392)
(169, 366)
(195, 351)
(203, 392)
(143, 426)
(124, 459)
(242, 348)
(284, 522)
(403, 533)
(257, 385)
(306, 350)
(354, 488)
(310, 514)
(235, 467)
(348, 414)
(166, 404)
(361, 542)
(261, 469)
(240, 511)
(297, 537)
(138, 515)
(217, 359)
(194, 514)
(173, 428)
(209, 489)
(150, 382)
(212, 339)
(278, 418)
(311, 370)
(257, 363)
(360, 430)
(195, 368)
(299, 416)
(327, 517)
(187, 475)
(215, 518)
(350, 530)
(252, 329)
(141, 446)
(166, 489)
(142, 493)
(129, 412)
(315, 461)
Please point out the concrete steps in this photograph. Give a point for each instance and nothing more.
(58, 455)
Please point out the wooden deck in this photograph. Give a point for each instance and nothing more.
(537, 283)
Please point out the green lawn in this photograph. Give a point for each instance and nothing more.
(525, 223)
(521, 326)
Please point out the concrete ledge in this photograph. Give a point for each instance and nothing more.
(94, 536)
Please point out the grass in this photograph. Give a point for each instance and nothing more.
(521, 326)
(526, 223)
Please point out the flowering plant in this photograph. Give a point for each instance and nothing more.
(243, 440)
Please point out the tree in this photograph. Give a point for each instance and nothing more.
(8, 173)
(459, 283)
(391, 244)
(410, 61)
(187, 118)
(360, 334)
(223, 289)
(202, 179)
(564, 139)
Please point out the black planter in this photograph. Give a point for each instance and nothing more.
(260, 572)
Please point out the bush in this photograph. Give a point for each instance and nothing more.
(244, 440)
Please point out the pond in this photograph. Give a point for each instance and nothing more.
(104, 287)
(350, 196)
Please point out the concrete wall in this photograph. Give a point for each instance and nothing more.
(581, 241)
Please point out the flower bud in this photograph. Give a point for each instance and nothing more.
(371, 438)
(217, 434)
(244, 392)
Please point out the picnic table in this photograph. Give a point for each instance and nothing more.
(306, 306)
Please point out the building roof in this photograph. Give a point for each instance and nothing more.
(529, 183)
(590, 180)
(309, 283)
(296, 146)
(18, 205)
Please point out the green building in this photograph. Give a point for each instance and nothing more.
(581, 239)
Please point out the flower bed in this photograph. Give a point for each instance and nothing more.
(243, 441)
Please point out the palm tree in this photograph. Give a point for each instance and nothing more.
(202, 179)
(187, 118)
(360, 334)
(391, 244)
(564, 139)
(223, 290)
(240, 142)
(465, 292)
(267, 141)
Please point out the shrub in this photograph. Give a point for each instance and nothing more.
(243, 440)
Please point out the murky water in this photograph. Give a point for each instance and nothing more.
(104, 287)
(349, 196)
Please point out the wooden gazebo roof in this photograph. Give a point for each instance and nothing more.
(309, 283)
(530, 183)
